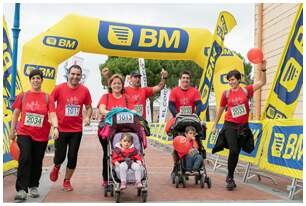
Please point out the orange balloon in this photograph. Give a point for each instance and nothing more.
(180, 144)
(14, 150)
(255, 55)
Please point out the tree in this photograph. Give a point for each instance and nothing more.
(125, 66)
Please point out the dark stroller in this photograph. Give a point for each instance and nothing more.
(178, 174)
(125, 122)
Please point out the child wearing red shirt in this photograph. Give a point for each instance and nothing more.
(125, 156)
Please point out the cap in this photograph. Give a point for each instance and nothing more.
(135, 74)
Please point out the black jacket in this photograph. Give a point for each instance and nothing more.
(245, 135)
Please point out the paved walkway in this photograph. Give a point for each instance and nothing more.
(87, 177)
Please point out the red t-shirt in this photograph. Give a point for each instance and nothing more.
(237, 105)
(113, 102)
(69, 107)
(34, 115)
(184, 99)
(137, 98)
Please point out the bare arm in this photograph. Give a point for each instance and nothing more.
(102, 109)
(218, 116)
(15, 117)
(219, 113)
(262, 80)
(162, 83)
(54, 123)
(88, 114)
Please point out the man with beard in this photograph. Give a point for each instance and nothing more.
(185, 99)
(70, 97)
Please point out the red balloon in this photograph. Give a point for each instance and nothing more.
(255, 55)
(14, 150)
(180, 144)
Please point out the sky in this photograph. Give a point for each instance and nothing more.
(37, 18)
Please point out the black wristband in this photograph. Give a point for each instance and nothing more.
(263, 70)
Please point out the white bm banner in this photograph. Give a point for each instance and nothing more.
(144, 83)
(163, 108)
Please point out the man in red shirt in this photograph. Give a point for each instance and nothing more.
(184, 98)
(136, 94)
(70, 98)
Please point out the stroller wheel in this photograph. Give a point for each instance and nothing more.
(138, 192)
(196, 179)
(105, 191)
(117, 196)
(202, 181)
(177, 181)
(173, 177)
(208, 182)
(143, 195)
(112, 191)
(183, 179)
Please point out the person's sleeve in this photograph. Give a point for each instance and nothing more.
(197, 95)
(149, 92)
(198, 107)
(250, 89)
(223, 101)
(102, 100)
(137, 157)
(115, 157)
(172, 108)
(18, 102)
(51, 106)
(88, 98)
(54, 94)
(172, 97)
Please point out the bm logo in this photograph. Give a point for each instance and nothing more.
(142, 38)
(49, 72)
(286, 146)
(60, 42)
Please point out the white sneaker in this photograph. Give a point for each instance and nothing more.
(21, 195)
(34, 192)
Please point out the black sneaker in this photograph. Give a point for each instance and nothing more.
(230, 183)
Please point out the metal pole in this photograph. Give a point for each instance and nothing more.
(16, 31)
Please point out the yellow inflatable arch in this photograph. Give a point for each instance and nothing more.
(76, 33)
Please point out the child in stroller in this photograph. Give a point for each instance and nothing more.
(195, 158)
(125, 125)
(125, 156)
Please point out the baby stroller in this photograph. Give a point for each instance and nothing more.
(125, 122)
(178, 174)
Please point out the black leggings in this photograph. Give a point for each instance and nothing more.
(30, 162)
(72, 140)
(104, 144)
(233, 141)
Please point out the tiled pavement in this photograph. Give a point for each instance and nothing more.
(87, 188)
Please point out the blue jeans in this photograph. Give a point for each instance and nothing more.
(193, 162)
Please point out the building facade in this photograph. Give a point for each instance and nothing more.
(273, 23)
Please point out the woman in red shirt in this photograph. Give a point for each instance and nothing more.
(32, 134)
(236, 119)
(114, 98)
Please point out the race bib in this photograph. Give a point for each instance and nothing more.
(186, 110)
(124, 117)
(34, 120)
(72, 110)
(238, 111)
(139, 109)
